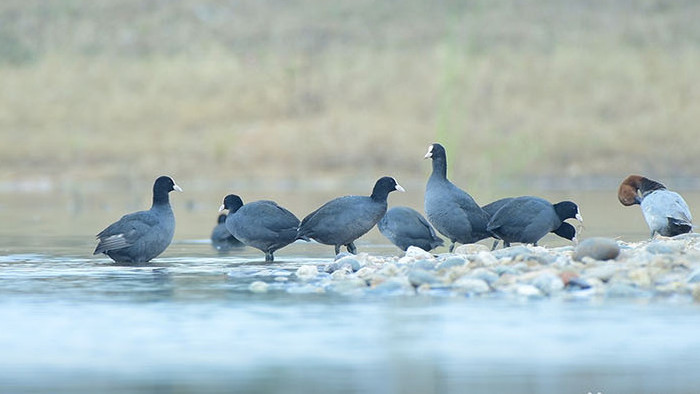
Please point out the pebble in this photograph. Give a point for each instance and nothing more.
(258, 287)
(307, 272)
(597, 248)
(419, 277)
(548, 283)
(471, 249)
(424, 264)
(451, 262)
(417, 253)
(471, 285)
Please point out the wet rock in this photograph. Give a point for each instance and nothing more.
(394, 286)
(419, 277)
(484, 274)
(365, 273)
(424, 265)
(640, 277)
(451, 263)
(258, 287)
(348, 263)
(512, 252)
(417, 253)
(471, 285)
(528, 291)
(351, 285)
(597, 248)
(548, 283)
(307, 272)
(471, 249)
(484, 258)
(665, 247)
(694, 276)
(602, 272)
(623, 290)
(342, 255)
(577, 283)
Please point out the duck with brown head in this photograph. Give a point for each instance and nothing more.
(665, 212)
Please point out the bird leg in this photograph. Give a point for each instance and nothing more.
(337, 249)
(269, 257)
(351, 248)
(495, 244)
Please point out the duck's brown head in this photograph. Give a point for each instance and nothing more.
(635, 187)
(627, 193)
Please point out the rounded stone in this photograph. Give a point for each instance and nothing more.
(471, 285)
(470, 249)
(451, 263)
(418, 253)
(597, 248)
(307, 272)
(424, 264)
(258, 287)
(419, 277)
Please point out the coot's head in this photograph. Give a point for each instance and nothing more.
(568, 210)
(566, 231)
(222, 218)
(165, 184)
(435, 151)
(231, 202)
(384, 186)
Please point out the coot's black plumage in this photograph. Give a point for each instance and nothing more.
(492, 208)
(527, 219)
(344, 219)
(222, 239)
(405, 227)
(262, 224)
(452, 211)
(140, 236)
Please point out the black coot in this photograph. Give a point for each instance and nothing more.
(405, 227)
(492, 208)
(263, 224)
(527, 219)
(222, 239)
(452, 211)
(140, 236)
(345, 219)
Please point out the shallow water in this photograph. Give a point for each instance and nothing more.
(187, 322)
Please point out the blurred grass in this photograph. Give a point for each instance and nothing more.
(302, 89)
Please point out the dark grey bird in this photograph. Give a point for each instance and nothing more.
(344, 219)
(140, 236)
(665, 211)
(405, 227)
(262, 224)
(221, 239)
(452, 211)
(527, 219)
(492, 208)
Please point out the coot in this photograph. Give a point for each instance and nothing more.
(527, 219)
(405, 227)
(262, 224)
(452, 211)
(140, 236)
(343, 220)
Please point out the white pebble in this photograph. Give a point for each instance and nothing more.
(258, 287)
(307, 272)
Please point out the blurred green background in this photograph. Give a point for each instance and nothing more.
(306, 90)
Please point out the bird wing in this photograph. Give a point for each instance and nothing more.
(125, 231)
